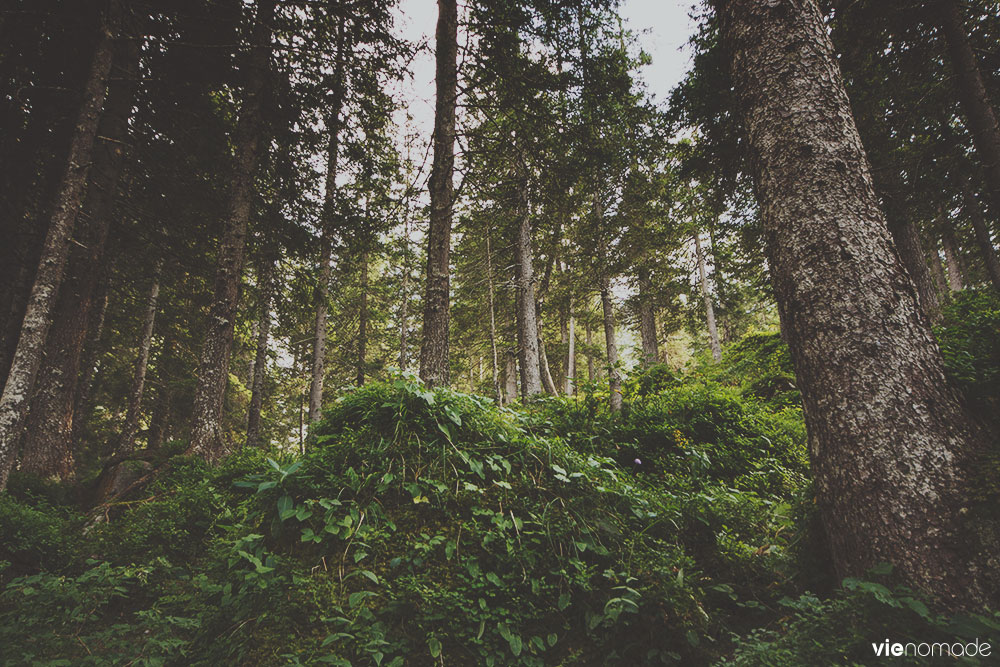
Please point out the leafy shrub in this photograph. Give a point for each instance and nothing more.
(969, 336)
(37, 537)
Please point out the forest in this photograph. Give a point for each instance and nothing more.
(573, 373)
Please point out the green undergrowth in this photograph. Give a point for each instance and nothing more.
(432, 527)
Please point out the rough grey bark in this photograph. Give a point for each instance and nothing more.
(952, 259)
(434, 346)
(509, 377)
(986, 247)
(265, 275)
(980, 116)
(37, 320)
(213, 365)
(527, 322)
(891, 443)
(571, 352)
(647, 322)
(49, 434)
(713, 332)
(131, 425)
(328, 223)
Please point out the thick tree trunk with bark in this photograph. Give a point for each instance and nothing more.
(647, 322)
(527, 322)
(986, 247)
(434, 346)
(891, 443)
(125, 444)
(265, 276)
(213, 366)
(28, 354)
(48, 439)
(328, 220)
(953, 260)
(713, 332)
(980, 116)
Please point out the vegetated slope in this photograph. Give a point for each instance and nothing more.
(425, 525)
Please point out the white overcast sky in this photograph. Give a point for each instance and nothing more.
(662, 28)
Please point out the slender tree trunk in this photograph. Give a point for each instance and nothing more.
(510, 377)
(986, 247)
(906, 239)
(404, 307)
(159, 423)
(89, 358)
(589, 339)
(434, 347)
(497, 392)
(363, 321)
(127, 441)
(213, 367)
(647, 322)
(614, 374)
(980, 116)
(713, 332)
(952, 258)
(891, 443)
(543, 360)
(571, 352)
(527, 323)
(326, 234)
(265, 276)
(28, 354)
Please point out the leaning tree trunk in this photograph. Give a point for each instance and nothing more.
(434, 347)
(265, 279)
(527, 323)
(131, 425)
(37, 318)
(979, 113)
(327, 226)
(213, 366)
(713, 332)
(48, 440)
(647, 322)
(891, 443)
(986, 247)
(952, 259)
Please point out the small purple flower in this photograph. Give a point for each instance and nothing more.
(638, 462)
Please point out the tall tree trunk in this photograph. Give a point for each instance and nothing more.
(404, 306)
(527, 323)
(571, 352)
(48, 440)
(510, 377)
(89, 358)
(890, 441)
(326, 233)
(131, 425)
(713, 332)
(647, 322)
(608, 309)
(497, 392)
(980, 116)
(434, 346)
(589, 340)
(363, 321)
(213, 367)
(986, 247)
(265, 276)
(952, 259)
(543, 360)
(28, 354)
